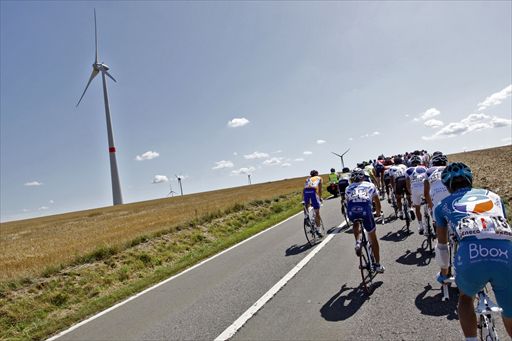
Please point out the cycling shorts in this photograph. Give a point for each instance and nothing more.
(387, 180)
(363, 211)
(483, 261)
(417, 194)
(379, 169)
(310, 196)
(400, 186)
(343, 184)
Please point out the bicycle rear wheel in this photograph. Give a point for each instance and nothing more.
(309, 232)
(365, 266)
(430, 234)
(487, 328)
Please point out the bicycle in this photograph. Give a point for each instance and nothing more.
(344, 210)
(429, 231)
(407, 213)
(486, 309)
(313, 233)
(366, 259)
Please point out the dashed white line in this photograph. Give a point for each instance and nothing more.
(163, 282)
(235, 326)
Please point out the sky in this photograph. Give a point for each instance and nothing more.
(213, 91)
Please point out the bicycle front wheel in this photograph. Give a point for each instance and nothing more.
(309, 232)
(366, 270)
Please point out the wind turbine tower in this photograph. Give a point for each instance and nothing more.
(179, 177)
(98, 67)
(341, 157)
(249, 177)
(171, 193)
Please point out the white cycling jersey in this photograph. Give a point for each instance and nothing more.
(416, 175)
(397, 171)
(438, 191)
(361, 192)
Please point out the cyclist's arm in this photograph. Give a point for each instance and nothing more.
(441, 225)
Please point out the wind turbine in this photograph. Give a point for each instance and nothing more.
(249, 177)
(179, 177)
(341, 157)
(98, 67)
(171, 193)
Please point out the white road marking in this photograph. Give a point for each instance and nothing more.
(235, 326)
(164, 281)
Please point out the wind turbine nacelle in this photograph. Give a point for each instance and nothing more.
(101, 66)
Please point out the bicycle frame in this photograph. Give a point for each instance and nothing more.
(485, 310)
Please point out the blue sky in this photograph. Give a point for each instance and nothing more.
(296, 79)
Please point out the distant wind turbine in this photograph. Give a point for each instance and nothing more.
(103, 68)
(171, 193)
(249, 177)
(179, 177)
(341, 157)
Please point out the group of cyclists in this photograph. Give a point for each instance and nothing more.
(475, 218)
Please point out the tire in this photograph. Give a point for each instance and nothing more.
(367, 272)
(430, 236)
(487, 328)
(344, 214)
(308, 231)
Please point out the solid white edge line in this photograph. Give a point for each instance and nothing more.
(164, 281)
(235, 326)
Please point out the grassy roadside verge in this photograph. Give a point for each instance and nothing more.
(34, 308)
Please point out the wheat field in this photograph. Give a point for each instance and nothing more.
(27, 247)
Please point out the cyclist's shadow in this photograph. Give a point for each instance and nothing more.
(296, 249)
(434, 306)
(411, 258)
(341, 307)
(397, 236)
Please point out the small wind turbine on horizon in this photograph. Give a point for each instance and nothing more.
(179, 177)
(341, 157)
(249, 177)
(98, 67)
(171, 193)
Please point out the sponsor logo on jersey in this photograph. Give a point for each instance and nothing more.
(473, 204)
(476, 251)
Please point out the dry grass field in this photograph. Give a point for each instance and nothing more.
(27, 247)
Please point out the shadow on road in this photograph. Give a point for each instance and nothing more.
(421, 257)
(434, 306)
(397, 236)
(342, 306)
(296, 249)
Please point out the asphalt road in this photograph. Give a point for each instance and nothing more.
(322, 301)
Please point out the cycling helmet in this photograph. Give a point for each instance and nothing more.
(398, 160)
(439, 160)
(333, 170)
(416, 152)
(456, 170)
(415, 161)
(436, 153)
(360, 165)
(346, 170)
(313, 173)
(380, 157)
(357, 175)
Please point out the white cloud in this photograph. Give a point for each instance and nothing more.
(147, 156)
(495, 99)
(243, 170)
(238, 122)
(43, 208)
(307, 152)
(407, 115)
(273, 161)
(375, 133)
(52, 202)
(286, 164)
(223, 164)
(320, 141)
(159, 179)
(351, 139)
(507, 139)
(25, 210)
(433, 123)
(473, 122)
(299, 159)
(33, 183)
(432, 112)
(256, 155)
(277, 151)
(365, 136)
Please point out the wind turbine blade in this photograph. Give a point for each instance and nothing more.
(336, 154)
(345, 152)
(108, 74)
(95, 39)
(93, 74)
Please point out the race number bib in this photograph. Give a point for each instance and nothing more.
(484, 227)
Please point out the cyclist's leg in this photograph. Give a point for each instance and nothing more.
(500, 283)
(370, 227)
(416, 195)
(467, 316)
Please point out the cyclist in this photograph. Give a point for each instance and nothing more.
(313, 194)
(360, 195)
(434, 192)
(344, 181)
(398, 183)
(379, 171)
(386, 176)
(333, 183)
(415, 175)
(478, 220)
